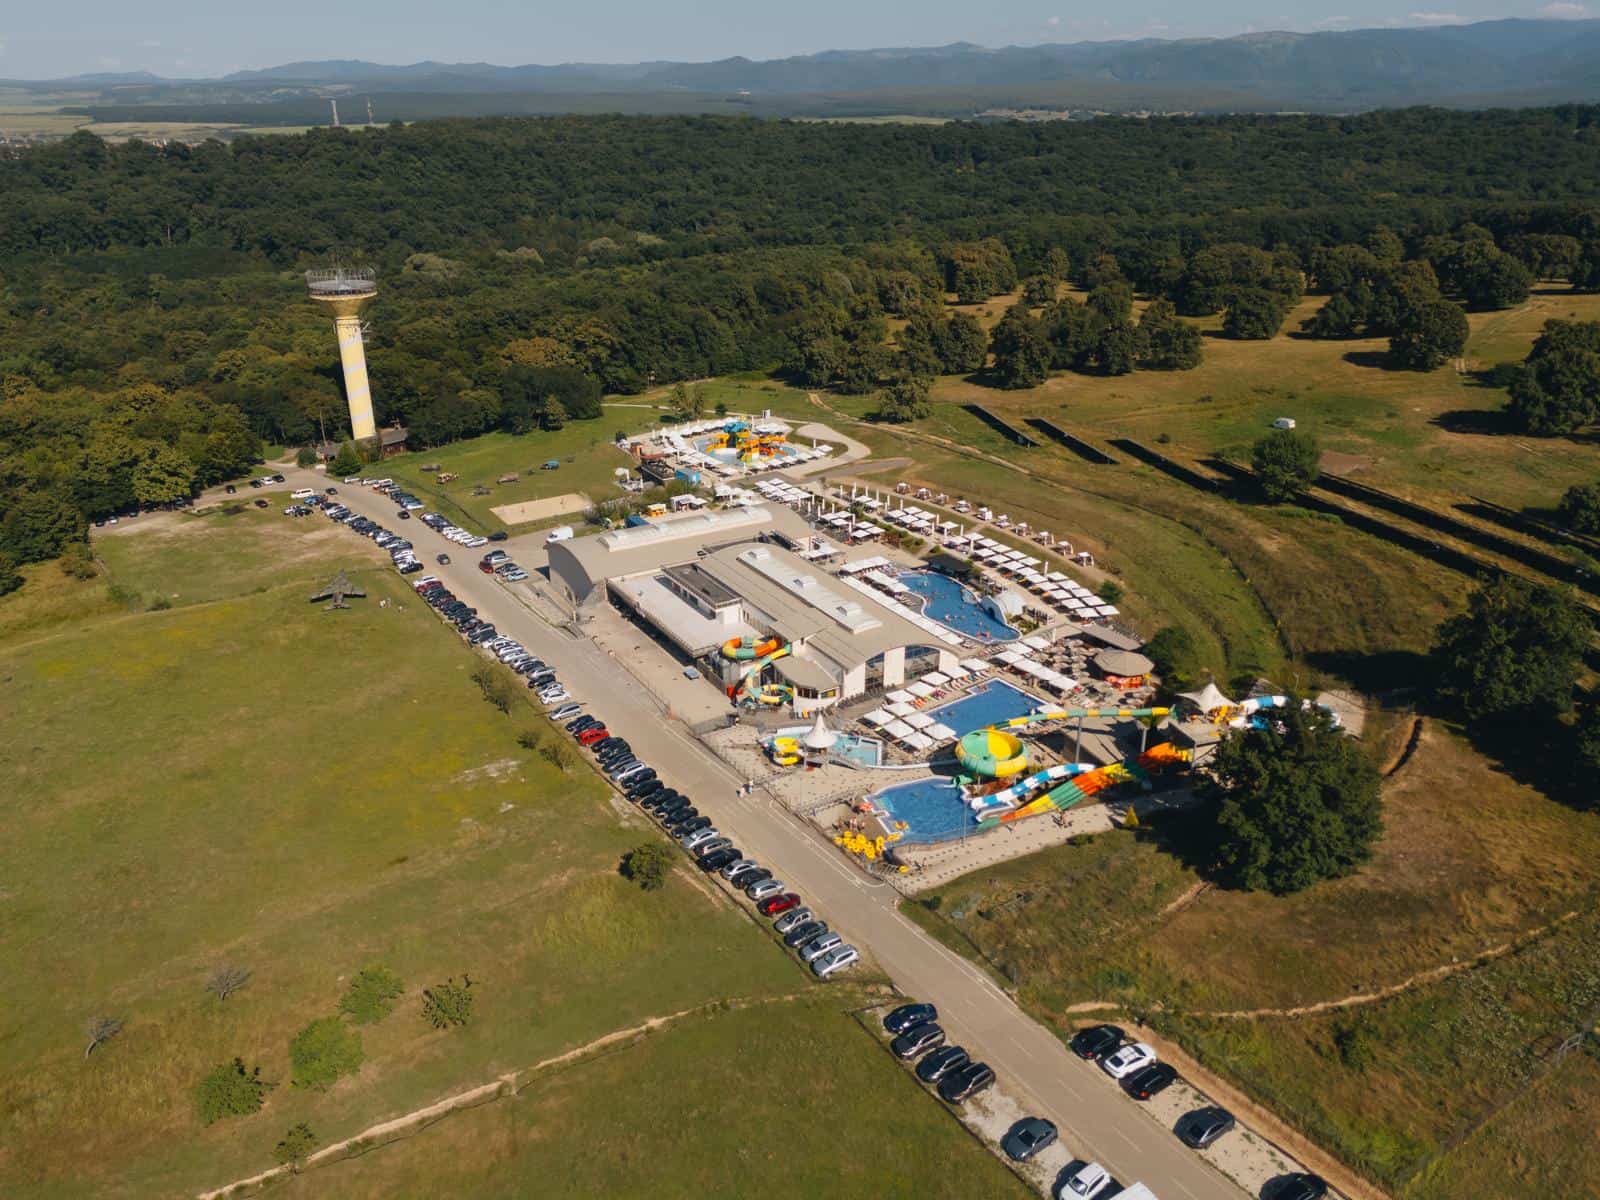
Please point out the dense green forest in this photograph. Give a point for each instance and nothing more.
(153, 330)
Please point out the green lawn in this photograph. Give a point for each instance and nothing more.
(249, 779)
(807, 1106)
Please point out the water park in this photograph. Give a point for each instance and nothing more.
(958, 607)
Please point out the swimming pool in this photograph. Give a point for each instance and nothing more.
(957, 606)
(990, 704)
(932, 810)
(863, 751)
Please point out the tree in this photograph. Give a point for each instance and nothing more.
(227, 980)
(1580, 508)
(1254, 314)
(322, 1051)
(1118, 348)
(37, 525)
(77, 562)
(1170, 343)
(904, 400)
(448, 1004)
(163, 477)
(1515, 651)
(961, 345)
(229, 1090)
(974, 271)
(1038, 290)
(1176, 656)
(1056, 264)
(648, 865)
(296, 1146)
(346, 463)
(1558, 388)
(552, 414)
(1586, 268)
(1486, 278)
(1431, 333)
(305, 457)
(10, 577)
(1021, 351)
(1112, 301)
(1285, 463)
(371, 994)
(1585, 735)
(1297, 802)
(99, 1031)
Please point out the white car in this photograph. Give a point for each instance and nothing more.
(554, 696)
(1129, 1059)
(836, 959)
(302, 493)
(1087, 1182)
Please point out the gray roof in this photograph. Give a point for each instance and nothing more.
(682, 623)
(842, 625)
(1123, 663)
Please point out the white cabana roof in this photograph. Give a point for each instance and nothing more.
(1037, 642)
(918, 741)
(878, 718)
(960, 671)
(899, 730)
(976, 664)
(920, 721)
(903, 708)
(900, 697)
(936, 678)
(940, 732)
(1208, 699)
(920, 689)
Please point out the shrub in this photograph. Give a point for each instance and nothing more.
(346, 462)
(10, 577)
(1356, 1043)
(448, 1003)
(305, 457)
(323, 1051)
(229, 1090)
(295, 1146)
(647, 865)
(77, 562)
(371, 994)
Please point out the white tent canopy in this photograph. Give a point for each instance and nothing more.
(878, 718)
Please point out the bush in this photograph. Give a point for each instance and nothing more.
(647, 865)
(296, 1145)
(448, 1003)
(305, 457)
(1356, 1044)
(77, 562)
(1285, 463)
(230, 1091)
(10, 577)
(371, 994)
(1580, 508)
(346, 462)
(323, 1051)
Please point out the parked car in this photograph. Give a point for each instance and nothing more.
(818, 946)
(1203, 1126)
(1301, 1185)
(1126, 1061)
(739, 868)
(773, 905)
(579, 722)
(941, 1062)
(746, 879)
(837, 959)
(918, 1039)
(718, 859)
(1087, 1182)
(763, 888)
(907, 1015)
(792, 918)
(803, 933)
(711, 846)
(682, 827)
(1027, 1137)
(1150, 1081)
(699, 838)
(499, 535)
(1096, 1042)
(591, 734)
(565, 711)
(962, 1085)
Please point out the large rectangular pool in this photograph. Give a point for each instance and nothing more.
(990, 704)
(957, 607)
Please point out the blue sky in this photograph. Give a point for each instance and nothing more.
(185, 38)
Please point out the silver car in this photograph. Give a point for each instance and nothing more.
(767, 887)
(792, 918)
(820, 945)
(836, 959)
(693, 841)
(739, 868)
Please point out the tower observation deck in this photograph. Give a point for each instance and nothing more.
(345, 290)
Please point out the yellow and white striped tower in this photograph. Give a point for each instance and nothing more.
(345, 290)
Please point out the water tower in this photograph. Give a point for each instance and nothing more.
(345, 290)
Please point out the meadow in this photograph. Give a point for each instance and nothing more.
(242, 778)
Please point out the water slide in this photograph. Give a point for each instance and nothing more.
(1072, 714)
(785, 751)
(1076, 782)
(757, 655)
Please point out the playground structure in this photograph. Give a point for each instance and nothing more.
(747, 445)
(757, 654)
(785, 751)
(1251, 713)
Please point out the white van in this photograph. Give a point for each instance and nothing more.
(561, 533)
(302, 493)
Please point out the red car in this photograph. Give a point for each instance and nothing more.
(773, 905)
(592, 735)
(486, 567)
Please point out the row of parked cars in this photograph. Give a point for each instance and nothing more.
(802, 931)
(462, 537)
(499, 564)
(400, 549)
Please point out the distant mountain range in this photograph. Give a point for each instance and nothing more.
(1491, 62)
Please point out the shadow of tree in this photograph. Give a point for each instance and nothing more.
(1376, 360)
(1487, 422)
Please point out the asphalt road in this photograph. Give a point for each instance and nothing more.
(1096, 1120)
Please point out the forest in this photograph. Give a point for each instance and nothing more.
(154, 333)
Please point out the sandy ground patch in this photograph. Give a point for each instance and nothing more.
(1337, 463)
(539, 510)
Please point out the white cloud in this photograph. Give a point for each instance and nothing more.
(1052, 21)
(1437, 18)
(1564, 11)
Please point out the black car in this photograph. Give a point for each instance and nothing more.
(966, 1083)
(609, 748)
(635, 782)
(694, 826)
(918, 1039)
(680, 816)
(645, 790)
(1203, 1126)
(746, 878)
(941, 1062)
(662, 803)
(403, 515)
(1027, 1137)
(907, 1015)
(499, 535)
(1150, 1081)
(804, 932)
(718, 859)
(1096, 1042)
(442, 559)
(1299, 1186)
(578, 724)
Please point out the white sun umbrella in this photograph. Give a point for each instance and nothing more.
(940, 732)
(900, 709)
(920, 689)
(918, 741)
(899, 731)
(878, 718)
(920, 721)
(936, 678)
(976, 664)
(899, 697)
(959, 671)
(1037, 642)
(820, 736)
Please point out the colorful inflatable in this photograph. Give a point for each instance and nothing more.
(991, 754)
(785, 751)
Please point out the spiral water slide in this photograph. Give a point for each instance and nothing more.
(758, 654)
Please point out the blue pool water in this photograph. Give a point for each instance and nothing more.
(990, 704)
(957, 606)
(866, 751)
(932, 809)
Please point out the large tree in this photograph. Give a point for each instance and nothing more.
(1297, 802)
(1021, 350)
(1431, 333)
(1515, 651)
(961, 345)
(1558, 388)
(1285, 462)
